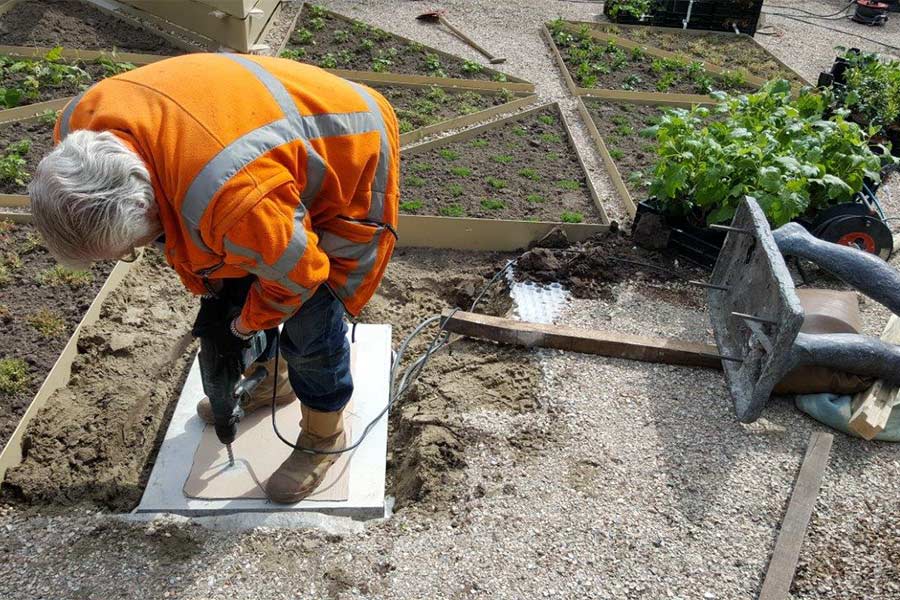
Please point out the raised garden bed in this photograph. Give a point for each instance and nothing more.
(727, 50)
(523, 168)
(22, 146)
(333, 41)
(592, 64)
(75, 24)
(40, 306)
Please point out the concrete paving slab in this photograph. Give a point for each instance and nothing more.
(164, 492)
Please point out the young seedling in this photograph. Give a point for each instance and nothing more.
(302, 37)
(571, 217)
(625, 129)
(616, 154)
(411, 206)
(13, 376)
(472, 67)
(317, 11)
(12, 164)
(329, 61)
(425, 106)
(437, 95)
(421, 167)
(519, 131)
(367, 45)
(433, 65)
(547, 119)
(461, 171)
(341, 36)
(48, 323)
(317, 23)
(59, 276)
(497, 184)
(503, 159)
(501, 77)
(112, 67)
(415, 181)
(550, 138)
(12, 260)
(479, 143)
(569, 184)
(455, 189)
(448, 154)
(294, 53)
(451, 210)
(553, 155)
(534, 198)
(405, 125)
(492, 204)
(531, 174)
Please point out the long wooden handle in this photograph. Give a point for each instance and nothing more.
(466, 39)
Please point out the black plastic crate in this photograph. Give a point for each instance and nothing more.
(707, 15)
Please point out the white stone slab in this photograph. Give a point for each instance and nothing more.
(367, 463)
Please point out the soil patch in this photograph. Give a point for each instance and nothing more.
(16, 174)
(606, 65)
(592, 268)
(56, 78)
(72, 24)
(323, 39)
(526, 169)
(94, 441)
(39, 310)
(421, 107)
(724, 50)
(428, 442)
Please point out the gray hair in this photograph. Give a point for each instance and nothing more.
(90, 198)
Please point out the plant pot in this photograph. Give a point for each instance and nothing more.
(711, 15)
(699, 245)
(626, 18)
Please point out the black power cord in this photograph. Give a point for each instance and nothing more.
(409, 375)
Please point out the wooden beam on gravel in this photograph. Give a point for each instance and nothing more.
(871, 409)
(780, 574)
(588, 341)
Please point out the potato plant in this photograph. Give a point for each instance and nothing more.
(871, 89)
(782, 150)
(12, 163)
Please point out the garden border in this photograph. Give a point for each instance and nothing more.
(614, 95)
(346, 19)
(473, 132)
(611, 168)
(60, 372)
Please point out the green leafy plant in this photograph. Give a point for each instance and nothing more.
(872, 89)
(341, 36)
(461, 171)
(328, 61)
(568, 184)
(535, 198)
(479, 143)
(781, 150)
(451, 210)
(635, 8)
(13, 376)
(519, 131)
(112, 67)
(631, 82)
(433, 65)
(437, 95)
(302, 36)
(367, 45)
(501, 77)
(550, 138)
(448, 154)
(317, 23)
(472, 67)
(47, 322)
(503, 159)
(405, 125)
(294, 53)
(571, 217)
(59, 276)
(381, 65)
(492, 204)
(420, 167)
(31, 243)
(25, 78)
(616, 153)
(317, 11)
(455, 189)
(415, 181)
(497, 184)
(411, 205)
(531, 174)
(547, 119)
(12, 164)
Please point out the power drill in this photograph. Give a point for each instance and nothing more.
(224, 385)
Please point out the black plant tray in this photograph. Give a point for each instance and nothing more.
(706, 15)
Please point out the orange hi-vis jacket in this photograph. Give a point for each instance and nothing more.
(260, 166)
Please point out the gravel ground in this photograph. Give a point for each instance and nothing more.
(629, 481)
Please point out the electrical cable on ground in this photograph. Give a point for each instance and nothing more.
(843, 31)
(839, 13)
(409, 375)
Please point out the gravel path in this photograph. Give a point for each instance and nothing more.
(629, 481)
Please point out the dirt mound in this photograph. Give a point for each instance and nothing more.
(589, 269)
(95, 440)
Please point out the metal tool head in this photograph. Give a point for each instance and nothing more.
(758, 283)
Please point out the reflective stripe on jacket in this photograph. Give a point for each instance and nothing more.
(259, 165)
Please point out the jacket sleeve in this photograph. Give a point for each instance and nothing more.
(275, 242)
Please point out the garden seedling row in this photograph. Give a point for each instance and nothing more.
(41, 323)
(333, 41)
(604, 68)
(524, 167)
(718, 50)
(91, 25)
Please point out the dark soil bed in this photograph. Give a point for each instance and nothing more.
(39, 309)
(606, 65)
(621, 125)
(421, 107)
(323, 39)
(79, 75)
(73, 24)
(729, 51)
(40, 135)
(524, 170)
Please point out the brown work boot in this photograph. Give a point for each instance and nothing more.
(262, 395)
(301, 473)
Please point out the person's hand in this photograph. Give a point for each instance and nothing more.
(241, 327)
(216, 323)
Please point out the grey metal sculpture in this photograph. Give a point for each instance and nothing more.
(757, 316)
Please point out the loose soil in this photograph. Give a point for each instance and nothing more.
(592, 268)
(325, 40)
(72, 24)
(728, 51)
(605, 65)
(40, 133)
(93, 71)
(620, 125)
(94, 441)
(525, 169)
(25, 304)
(421, 107)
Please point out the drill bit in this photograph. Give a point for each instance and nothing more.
(230, 455)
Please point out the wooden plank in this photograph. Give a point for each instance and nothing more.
(59, 374)
(86, 55)
(462, 121)
(487, 235)
(29, 111)
(14, 200)
(588, 341)
(401, 79)
(611, 168)
(780, 574)
(871, 409)
(645, 97)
